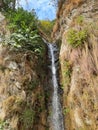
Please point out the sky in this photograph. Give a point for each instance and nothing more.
(43, 8)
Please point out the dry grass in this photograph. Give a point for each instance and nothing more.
(55, 28)
(12, 105)
(82, 91)
(73, 4)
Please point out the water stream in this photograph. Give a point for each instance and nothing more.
(57, 117)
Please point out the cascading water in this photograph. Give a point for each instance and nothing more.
(57, 117)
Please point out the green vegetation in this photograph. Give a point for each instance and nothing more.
(67, 69)
(3, 125)
(33, 84)
(66, 110)
(46, 26)
(76, 38)
(67, 73)
(80, 19)
(62, 86)
(22, 19)
(27, 118)
(23, 26)
(41, 108)
(6, 5)
(24, 36)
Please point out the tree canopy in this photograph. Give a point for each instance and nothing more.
(7, 4)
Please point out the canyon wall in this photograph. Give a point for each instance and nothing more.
(22, 84)
(77, 27)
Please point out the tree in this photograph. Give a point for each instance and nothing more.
(1, 3)
(14, 4)
(7, 4)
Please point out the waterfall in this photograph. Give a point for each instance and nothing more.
(57, 117)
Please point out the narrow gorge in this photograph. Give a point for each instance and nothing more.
(49, 83)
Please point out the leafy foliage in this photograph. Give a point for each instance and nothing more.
(46, 26)
(22, 19)
(24, 31)
(76, 38)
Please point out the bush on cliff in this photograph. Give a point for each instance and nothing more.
(76, 38)
(23, 26)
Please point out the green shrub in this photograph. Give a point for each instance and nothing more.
(66, 110)
(46, 26)
(27, 118)
(3, 125)
(76, 38)
(80, 19)
(24, 31)
(6, 5)
(22, 38)
(33, 84)
(22, 19)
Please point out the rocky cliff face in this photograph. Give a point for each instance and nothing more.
(77, 26)
(22, 82)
